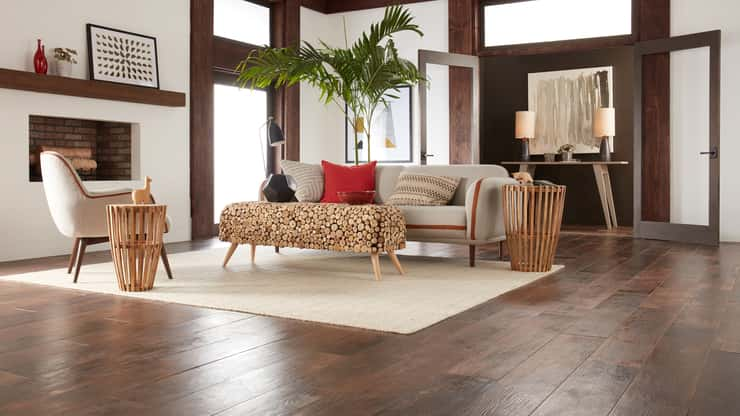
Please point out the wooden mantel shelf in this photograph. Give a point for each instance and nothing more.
(50, 84)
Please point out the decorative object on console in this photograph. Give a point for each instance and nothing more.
(525, 130)
(423, 190)
(532, 217)
(393, 124)
(605, 128)
(356, 197)
(334, 71)
(279, 188)
(144, 195)
(565, 102)
(566, 152)
(40, 64)
(123, 57)
(339, 178)
(550, 157)
(309, 180)
(65, 58)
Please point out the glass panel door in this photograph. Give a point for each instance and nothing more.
(677, 129)
(239, 145)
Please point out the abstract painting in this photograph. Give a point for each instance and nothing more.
(122, 57)
(565, 102)
(390, 136)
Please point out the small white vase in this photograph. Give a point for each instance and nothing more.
(64, 69)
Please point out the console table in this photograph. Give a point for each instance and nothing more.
(601, 174)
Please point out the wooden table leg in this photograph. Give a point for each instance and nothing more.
(375, 259)
(604, 193)
(230, 253)
(610, 196)
(394, 259)
(252, 251)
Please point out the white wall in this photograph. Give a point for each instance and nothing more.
(322, 127)
(25, 221)
(691, 16)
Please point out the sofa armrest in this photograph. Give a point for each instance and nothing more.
(484, 209)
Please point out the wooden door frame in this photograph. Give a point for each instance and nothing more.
(210, 54)
(662, 230)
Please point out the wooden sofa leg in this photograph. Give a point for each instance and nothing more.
(73, 256)
(501, 245)
(277, 249)
(471, 255)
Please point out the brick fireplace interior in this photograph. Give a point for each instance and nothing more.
(99, 150)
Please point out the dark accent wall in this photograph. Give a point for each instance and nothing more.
(504, 91)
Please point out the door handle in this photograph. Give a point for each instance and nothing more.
(712, 153)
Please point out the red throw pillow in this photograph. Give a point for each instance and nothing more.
(339, 178)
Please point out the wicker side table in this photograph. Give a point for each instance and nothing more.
(135, 233)
(532, 217)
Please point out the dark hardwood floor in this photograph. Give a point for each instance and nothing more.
(630, 327)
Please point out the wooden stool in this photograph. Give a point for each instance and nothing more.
(135, 233)
(532, 217)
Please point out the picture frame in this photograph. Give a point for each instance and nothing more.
(395, 121)
(122, 57)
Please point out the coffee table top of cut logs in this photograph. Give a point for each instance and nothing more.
(372, 229)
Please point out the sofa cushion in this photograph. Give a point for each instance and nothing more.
(417, 189)
(339, 178)
(308, 177)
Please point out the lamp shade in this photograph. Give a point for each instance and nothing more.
(275, 135)
(604, 122)
(525, 121)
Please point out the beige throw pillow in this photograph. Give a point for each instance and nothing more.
(309, 179)
(423, 190)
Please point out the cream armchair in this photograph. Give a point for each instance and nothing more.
(77, 212)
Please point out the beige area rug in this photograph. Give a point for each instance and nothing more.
(318, 286)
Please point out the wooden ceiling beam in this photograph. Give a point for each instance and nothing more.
(339, 6)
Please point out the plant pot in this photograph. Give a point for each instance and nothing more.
(64, 69)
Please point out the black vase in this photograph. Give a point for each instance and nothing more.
(279, 188)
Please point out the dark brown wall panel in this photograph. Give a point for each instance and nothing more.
(504, 91)
(461, 40)
(656, 146)
(201, 118)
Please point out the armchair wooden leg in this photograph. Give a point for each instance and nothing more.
(73, 256)
(166, 262)
(230, 253)
(471, 255)
(501, 245)
(277, 249)
(80, 257)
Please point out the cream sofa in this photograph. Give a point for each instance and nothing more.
(473, 217)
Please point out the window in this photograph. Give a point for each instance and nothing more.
(242, 21)
(238, 145)
(536, 21)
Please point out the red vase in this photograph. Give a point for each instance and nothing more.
(40, 64)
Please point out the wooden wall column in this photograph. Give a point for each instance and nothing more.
(463, 15)
(286, 24)
(201, 118)
(655, 23)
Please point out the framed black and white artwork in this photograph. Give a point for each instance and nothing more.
(122, 57)
(391, 133)
(565, 103)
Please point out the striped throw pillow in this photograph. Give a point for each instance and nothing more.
(428, 190)
(309, 179)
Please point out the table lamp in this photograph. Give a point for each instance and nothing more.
(524, 131)
(277, 187)
(604, 128)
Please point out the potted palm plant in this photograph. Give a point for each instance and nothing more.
(360, 78)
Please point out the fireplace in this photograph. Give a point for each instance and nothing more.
(98, 150)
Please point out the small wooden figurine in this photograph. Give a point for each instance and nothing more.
(523, 178)
(144, 195)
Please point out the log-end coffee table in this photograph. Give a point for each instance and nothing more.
(372, 229)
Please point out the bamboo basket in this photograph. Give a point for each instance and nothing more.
(532, 216)
(135, 233)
